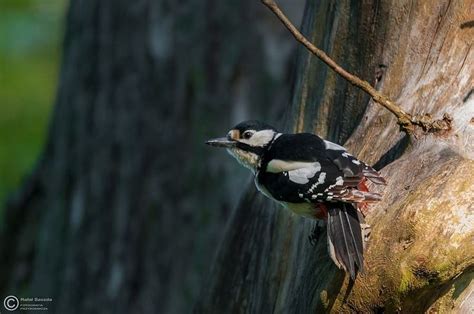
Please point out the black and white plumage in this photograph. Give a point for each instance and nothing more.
(312, 177)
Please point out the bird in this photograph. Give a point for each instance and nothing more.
(313, 178)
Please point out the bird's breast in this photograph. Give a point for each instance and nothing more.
(305, 209)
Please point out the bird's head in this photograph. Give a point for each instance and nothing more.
(247, 142)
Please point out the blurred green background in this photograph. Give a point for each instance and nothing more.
(30, 39)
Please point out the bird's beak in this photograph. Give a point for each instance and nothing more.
(222, 142)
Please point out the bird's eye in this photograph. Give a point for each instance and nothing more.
(247, 134)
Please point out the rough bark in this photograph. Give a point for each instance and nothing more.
(126, 206)
(421, 253)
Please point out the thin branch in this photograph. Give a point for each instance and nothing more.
(405, 120)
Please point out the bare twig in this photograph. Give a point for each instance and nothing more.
(406, 121)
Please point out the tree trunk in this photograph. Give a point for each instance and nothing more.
(127, 204)
(421, 253)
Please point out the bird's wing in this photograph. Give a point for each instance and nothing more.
(316, 170)
(351, 166)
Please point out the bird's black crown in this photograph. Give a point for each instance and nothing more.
(253, 125)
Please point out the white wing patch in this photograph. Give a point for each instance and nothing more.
(333, 146)
(277, 165)
(302, 175)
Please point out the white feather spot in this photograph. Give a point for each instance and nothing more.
(302, 175)
(355, 161)
(339, 181)
(346, 154)
(321, 179)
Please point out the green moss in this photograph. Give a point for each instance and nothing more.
(30, 32)
(324, 299)
(406, 278)
(443, 267)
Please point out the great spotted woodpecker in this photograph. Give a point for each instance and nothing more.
(312, 177)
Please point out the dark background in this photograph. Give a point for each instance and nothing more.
(112, 200)
(113, 204)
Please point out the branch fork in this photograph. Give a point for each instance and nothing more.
(408, 122)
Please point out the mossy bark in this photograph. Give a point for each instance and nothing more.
(421, 253)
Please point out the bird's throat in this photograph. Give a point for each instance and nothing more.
(247, 159)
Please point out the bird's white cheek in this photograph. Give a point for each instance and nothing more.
(260, 138)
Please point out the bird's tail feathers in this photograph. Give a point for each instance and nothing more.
(346, 238)
(373, 175)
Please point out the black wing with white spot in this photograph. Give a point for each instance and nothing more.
(351, 166)
(305, 168)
